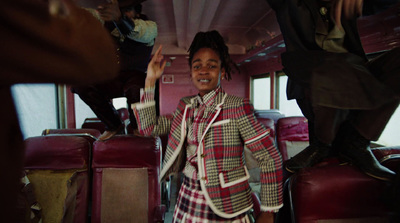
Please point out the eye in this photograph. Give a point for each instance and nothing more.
(196, 67)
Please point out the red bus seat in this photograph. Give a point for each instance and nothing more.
(89, 133)
(125, 180)
(273, 114)
(93, 123)
(340, 193)
(58, 168)
(292, 136)
(123, 113)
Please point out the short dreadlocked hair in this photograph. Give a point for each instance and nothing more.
(214, 41)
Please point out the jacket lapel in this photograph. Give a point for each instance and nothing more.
(216, 109)
(213, 111)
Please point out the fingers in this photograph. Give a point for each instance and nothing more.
(338, 5)
(349, 8)
(157, 64)
(164, 63)
(158, 51)
(359, 7)
(158, 57)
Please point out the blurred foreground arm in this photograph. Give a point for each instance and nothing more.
(55, 42)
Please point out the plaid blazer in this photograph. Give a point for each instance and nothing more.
(222, 172)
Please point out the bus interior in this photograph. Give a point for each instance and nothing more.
(78, 178)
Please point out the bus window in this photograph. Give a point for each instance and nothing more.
(390, 136)
(261, 92)
(119, 103)
(36, 106)
(287, 107)
(82, 111)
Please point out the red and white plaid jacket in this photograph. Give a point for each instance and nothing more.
(222, 172)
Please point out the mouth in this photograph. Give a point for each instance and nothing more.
(204, 80)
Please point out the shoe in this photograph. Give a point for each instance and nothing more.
(364, 159)
(109, 134)
(310, 156)
(355, 149)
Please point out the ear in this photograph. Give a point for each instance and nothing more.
(222, 73)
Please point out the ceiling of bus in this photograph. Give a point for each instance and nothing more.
(244, 24)
(249, 27)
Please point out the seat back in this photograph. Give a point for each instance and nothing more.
(273, 114)
(123, 113)
(93, 123)
(339, 193)
(89, 133)
(96, 123)
(58, 168)
(291, 136)
(269, 123)
(125, 180)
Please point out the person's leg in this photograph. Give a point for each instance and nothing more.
(135, 80)
(364, 127)
(98, 98)
(322, 127)
(367, 125)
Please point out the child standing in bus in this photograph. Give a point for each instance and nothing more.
(207, 135)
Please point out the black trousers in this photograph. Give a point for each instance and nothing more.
(98, 97)
(325, 122)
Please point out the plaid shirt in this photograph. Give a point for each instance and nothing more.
(231, 124)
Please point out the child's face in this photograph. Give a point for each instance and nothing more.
(206, 70)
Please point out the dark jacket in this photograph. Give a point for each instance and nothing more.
(339, 80)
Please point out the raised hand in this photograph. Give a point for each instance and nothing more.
(155, 68)
(349, 8)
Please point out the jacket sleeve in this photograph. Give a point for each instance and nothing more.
(261, 144)
(40, 47)
(148, 122)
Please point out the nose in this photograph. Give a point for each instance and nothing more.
(204, 70)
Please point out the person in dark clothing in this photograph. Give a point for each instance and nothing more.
(42, 47)
(347, 99)
(135, 36)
